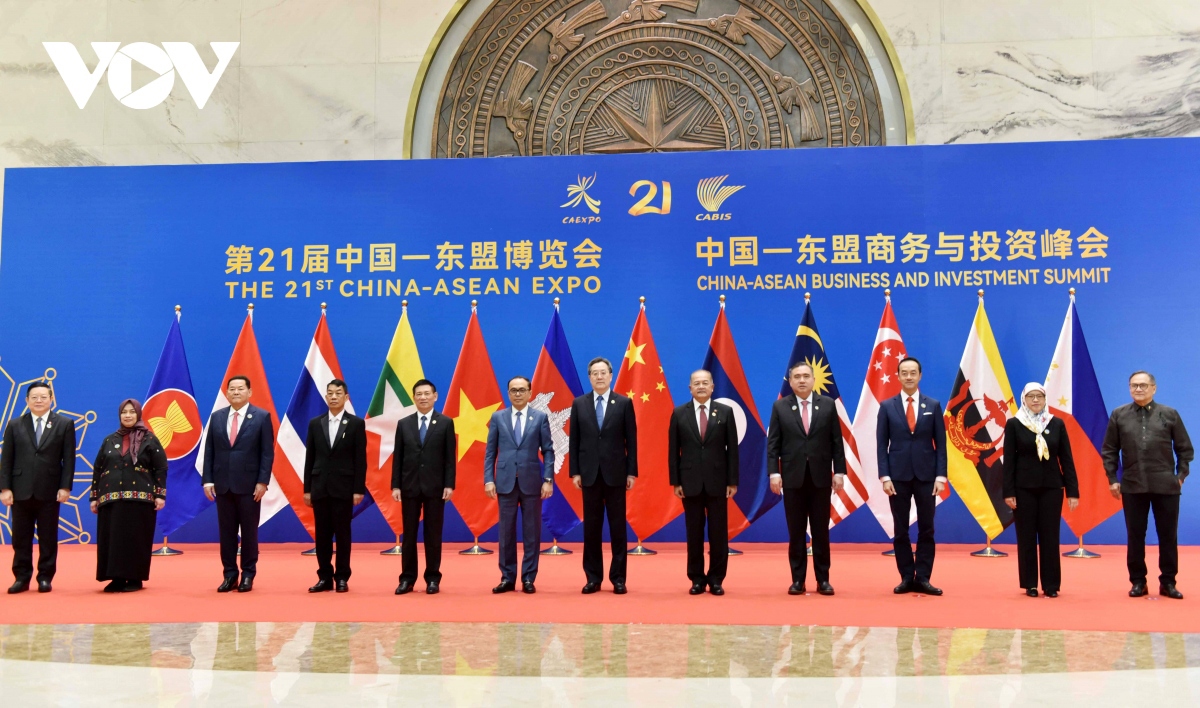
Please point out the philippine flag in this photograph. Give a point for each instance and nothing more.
(555, 386)
(730, 387)
(172, 413)
(308, 402)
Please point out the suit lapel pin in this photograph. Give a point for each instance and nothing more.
(816, 408)
(433, 422)
(922, 405)
(793, 408)
(249, 416)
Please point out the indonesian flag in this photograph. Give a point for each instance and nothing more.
(1073, 394)
(308, 401)
(880, 384)
(652, 503)
(473, 397)
(246, 361)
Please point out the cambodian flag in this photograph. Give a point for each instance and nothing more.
(172, 413)
(555, 387)
(730, 387)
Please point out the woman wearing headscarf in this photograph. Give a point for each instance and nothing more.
(1037, 468)
(129, 486)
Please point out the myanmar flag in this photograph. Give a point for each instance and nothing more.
(391, 402)
(980, 404)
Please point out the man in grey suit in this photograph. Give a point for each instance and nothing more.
(513, 474)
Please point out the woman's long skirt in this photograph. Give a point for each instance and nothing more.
(124, 540)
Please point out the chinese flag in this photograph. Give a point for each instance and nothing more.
(652, 503)
(473, 397)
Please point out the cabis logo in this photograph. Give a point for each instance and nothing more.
(165, 61)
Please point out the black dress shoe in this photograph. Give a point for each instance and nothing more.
(228, 585)
(1031, 592)
(698, 588)
(115, 585)
(504, 586)
(796, 589)
(19, 586)
(404, 587)
(343, 586)
(619, 589)
(44, 586)
(591, 588)
(903, 588)
(131, 586)
(528, 588)
(1138, 590)
(1168, 590)
(825, 588)
(322, 586)
(1051, 593)
(247, 584)
(432, 588)
(716, 589)
(923, 587)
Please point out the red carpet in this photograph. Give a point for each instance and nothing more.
(980, 592)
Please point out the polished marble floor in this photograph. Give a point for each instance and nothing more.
(468, 664)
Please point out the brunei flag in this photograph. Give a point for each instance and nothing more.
(555, 386)
(1073, 394)
(391, 401)
(979, 406)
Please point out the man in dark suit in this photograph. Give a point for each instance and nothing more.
(37, 469)
(807, 462)
(910, 440)
(423, 463)
(238, 453)
(513, 474)
(702, 459)
(335, 480)
(604, 462)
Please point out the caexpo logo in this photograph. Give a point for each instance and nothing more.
(165, 61)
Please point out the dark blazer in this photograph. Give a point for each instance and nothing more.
(1023, 469)
(248, 461)
(38, 471)
(795, 455)
(707, 465)
(424, 470)
(609, 454)
(335, 468)
(508, 464)
(907, 455)
(141, 477)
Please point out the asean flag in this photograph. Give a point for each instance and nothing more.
(730, 387)
(555, 385)
(172, 414)
(1073, 394)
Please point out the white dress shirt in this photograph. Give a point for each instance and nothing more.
(524, 421)
(916, 401)
(800, 409)
(597, 395)
(241, 419)
(335, 423)
(707, 410)
(44, 419)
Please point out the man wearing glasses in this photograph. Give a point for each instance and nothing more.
(1149, 439)
(513, 474)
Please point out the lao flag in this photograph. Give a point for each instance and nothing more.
(1073, 394)
(172, 413)
(730, 387)
(555, 385)
(308, 402)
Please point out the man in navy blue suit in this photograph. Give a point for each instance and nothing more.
(513, 474)
(911, 443)
(238, 453)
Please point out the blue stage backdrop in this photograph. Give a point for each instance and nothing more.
(95, 259)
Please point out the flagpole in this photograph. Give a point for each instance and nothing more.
(475, 549)
(887, 300)
(555, 549)
(639, 549)
(166, 550)
(732, 551)
(989, 552)
(394, 550)
(313, 551)
(250, 314)
(1080, 552)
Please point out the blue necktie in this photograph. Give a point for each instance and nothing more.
(520, 429)
(423, 429)
(599, 411)
(37, 434)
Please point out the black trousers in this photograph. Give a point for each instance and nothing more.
(803, 507)
(1037, 518)
(238, 513)
(1166, 523)
(411, 505)
(716, 509)
(919, 567)
(26, 515)
(531, 534)
(332, 517)
(598, 499)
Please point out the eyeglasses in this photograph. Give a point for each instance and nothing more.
(518, 390)
(1140, 386)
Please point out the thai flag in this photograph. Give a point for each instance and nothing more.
(555, 386)
(308, 402)
(730, 387)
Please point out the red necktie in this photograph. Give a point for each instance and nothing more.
(911, 414)
(233, 429)
(703, 421)
(804, 415)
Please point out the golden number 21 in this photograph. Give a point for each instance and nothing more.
(643, 205)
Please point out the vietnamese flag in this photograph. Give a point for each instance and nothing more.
(652, 502)
(473, 397)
